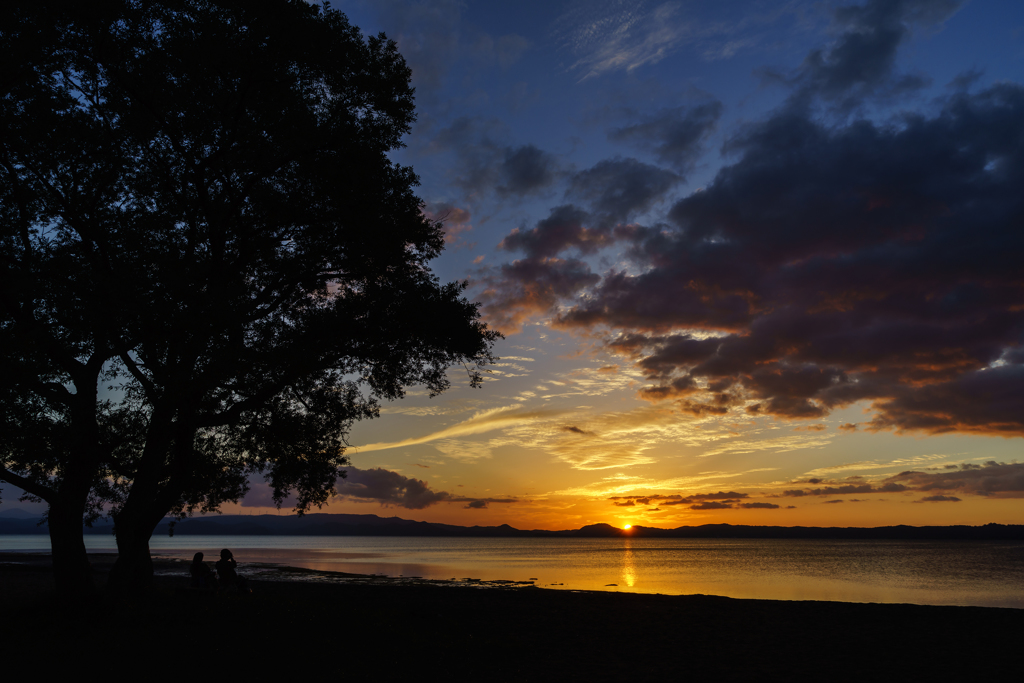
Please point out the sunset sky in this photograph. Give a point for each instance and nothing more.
(756, 262)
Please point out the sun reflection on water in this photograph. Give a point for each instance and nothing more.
(628, 565)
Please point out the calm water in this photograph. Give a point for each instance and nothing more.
(922, 572)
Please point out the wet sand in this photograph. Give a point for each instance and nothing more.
(364, 627)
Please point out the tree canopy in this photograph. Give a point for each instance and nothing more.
(211, 267)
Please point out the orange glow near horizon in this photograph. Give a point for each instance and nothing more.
(575, 512)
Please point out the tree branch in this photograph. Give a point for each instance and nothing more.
(233, 414)
(26, 485)
(133, 368)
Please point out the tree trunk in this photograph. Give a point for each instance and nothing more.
(135, 522)
(72, 573)
(133, 570)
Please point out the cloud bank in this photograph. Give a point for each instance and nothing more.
(831, 265)
(393, 489)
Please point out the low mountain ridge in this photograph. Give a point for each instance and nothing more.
(327, 524)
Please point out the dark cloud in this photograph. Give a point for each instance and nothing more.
(485, 162)
(483, 502)
(621, 188)
(834, 501)
(676, 135)
(680, 386)
(985, 401)
(718, 405)
(939, 499)
(995, 479)
(671, 351)
(862, 60)
(476, 505)
(718, 496)
(576, 430)
(759, 506)
(711, 505)
(526, 169)
(723, 498)
(1014, 356)
(964, 80)
(532, 286)
(841, 264)
(261, 495)
(517, 291)
(847, 489)
(391, 488)
(565, 228)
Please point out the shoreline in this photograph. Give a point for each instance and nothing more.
(393, 630)
(28, 573)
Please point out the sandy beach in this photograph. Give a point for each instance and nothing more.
(388, 630)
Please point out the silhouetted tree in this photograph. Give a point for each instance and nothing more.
(210, 266)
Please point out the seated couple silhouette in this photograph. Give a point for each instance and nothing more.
(227, 577)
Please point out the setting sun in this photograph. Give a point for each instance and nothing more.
(628, 526)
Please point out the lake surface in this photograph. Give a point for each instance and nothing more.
(982, 573)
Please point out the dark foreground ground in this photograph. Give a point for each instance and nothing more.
(383, 631)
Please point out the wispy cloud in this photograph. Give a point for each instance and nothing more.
(423, 411)
(483, 421)
(464, 450)
(781, 444)
(621, 35)
(604, 380)
(868, 465)
(622, 484)
(607, 440)
(588, 441)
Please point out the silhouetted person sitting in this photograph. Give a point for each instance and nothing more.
(202, 577)
(226, 574)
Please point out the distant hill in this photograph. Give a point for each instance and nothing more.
(322, 524)
(18, 513)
